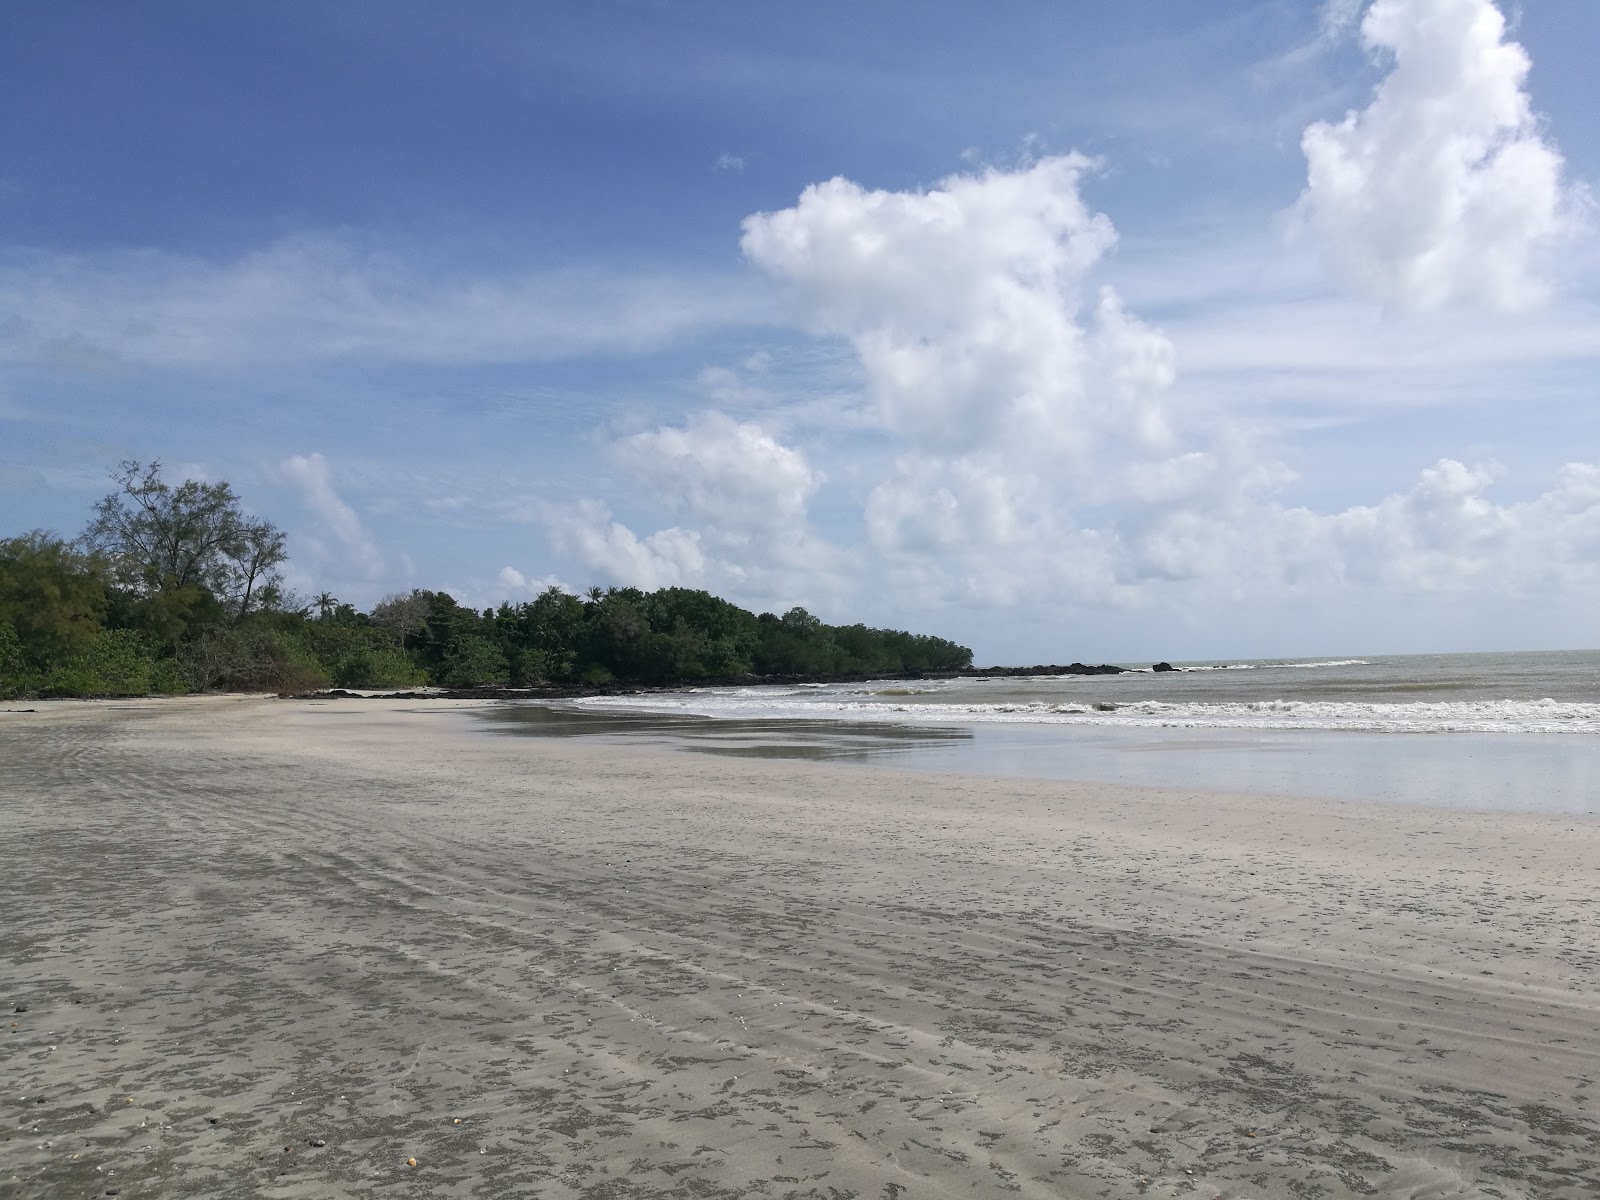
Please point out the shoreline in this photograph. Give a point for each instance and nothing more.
(576, 691)
(581, 691)
(276, 946)
(1555, 773)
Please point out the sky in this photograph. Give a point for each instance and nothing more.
(1065, 330)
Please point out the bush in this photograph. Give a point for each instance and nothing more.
(167, 678)
(529, 667)
(116, 663)
(377, 667)
(251, 659)
(13, 675)
(472, 661)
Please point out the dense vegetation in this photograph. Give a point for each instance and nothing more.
(176, 589)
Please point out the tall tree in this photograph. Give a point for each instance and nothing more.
(403, 615)
(159, 538)
(252, 564)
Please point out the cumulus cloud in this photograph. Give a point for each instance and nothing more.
(1443, 190)
(337, 540)
(1443, 534)
(588, 532)
(1446, 534)
(1030, 447)
(963, 304)
(515, 583)
(730, 474)
(939, 506)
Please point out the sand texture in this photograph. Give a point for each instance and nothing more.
(279, 948)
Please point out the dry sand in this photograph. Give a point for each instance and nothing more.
(276, 948)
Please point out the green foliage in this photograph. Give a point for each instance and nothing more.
(472, 661)
(167, 678)
(530, 667)
(679, 633)
(194, 536)
(377, 667)
(117, 663)
(52, 597)
(252, 658)
(179, 591)
(13, 673)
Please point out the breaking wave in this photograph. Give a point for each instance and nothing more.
(1467, 716)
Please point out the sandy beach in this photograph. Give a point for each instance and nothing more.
(294, 949)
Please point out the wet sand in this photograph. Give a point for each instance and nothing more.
(281, 948)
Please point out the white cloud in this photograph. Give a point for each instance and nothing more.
(962, 303)
(311, 299)
(1444, 534)
(515, 583)
(1442, 191)
(587, 531)
(508, 586)
(1339, 17)
(731, 475)
(937, 506)
(1029, 447)
(338, 542)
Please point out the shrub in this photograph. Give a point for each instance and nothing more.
(13, 674)
(377, 667)
(531, 666)
(251, 659)
(116, 663)
(472, 661)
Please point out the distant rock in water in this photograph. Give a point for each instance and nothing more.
(1076, 668)
(1164, 666)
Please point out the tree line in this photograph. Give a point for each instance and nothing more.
(175, 588)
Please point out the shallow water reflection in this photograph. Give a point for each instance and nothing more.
(822, 740)
(1499, 771)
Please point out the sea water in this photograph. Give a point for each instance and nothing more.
(1511, 731)
(1546, 692)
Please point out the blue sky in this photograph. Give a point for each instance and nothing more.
(1066, 330)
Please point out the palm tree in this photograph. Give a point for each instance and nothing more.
(326, 602)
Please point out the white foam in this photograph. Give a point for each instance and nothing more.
(1475, 716)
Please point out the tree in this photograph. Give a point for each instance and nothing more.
(473, 660)
(252, 562)
(327, 604)
(53, 596)
(403, 615)
(159, 538)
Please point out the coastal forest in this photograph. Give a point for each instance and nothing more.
(175, 588)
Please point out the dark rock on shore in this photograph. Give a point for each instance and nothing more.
(1164, 666)
(574, 691)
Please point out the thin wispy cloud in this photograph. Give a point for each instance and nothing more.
(311, 299)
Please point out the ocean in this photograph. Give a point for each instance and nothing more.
(1509, 731)
(1543, 692)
